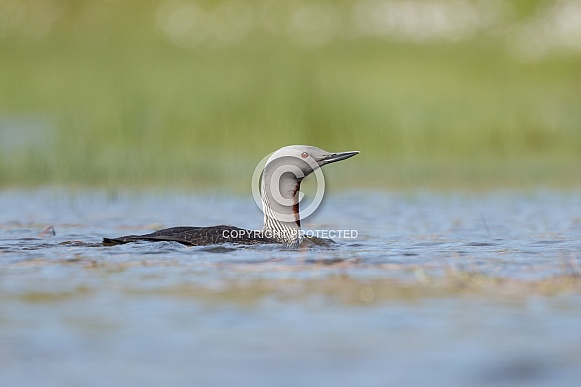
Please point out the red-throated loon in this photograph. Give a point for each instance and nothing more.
(281, 181)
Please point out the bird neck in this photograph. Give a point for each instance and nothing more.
(280, 205)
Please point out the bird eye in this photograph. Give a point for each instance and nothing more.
(304, 155)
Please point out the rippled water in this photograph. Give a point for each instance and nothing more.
(448, 289)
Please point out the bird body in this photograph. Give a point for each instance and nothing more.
(198, 236)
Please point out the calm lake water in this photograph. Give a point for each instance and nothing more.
(367, 312)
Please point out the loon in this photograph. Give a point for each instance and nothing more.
(281, 181)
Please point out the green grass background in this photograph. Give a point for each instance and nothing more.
(114, 103)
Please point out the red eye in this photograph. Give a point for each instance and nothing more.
(304, 155)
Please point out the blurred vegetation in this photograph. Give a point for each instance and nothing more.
(333, 288)
(196, 93)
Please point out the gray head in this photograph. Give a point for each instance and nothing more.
(281, 179)
(304, 158)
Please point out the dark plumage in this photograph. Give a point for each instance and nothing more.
(197, 236)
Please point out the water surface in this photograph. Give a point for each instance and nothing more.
(441, 288)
